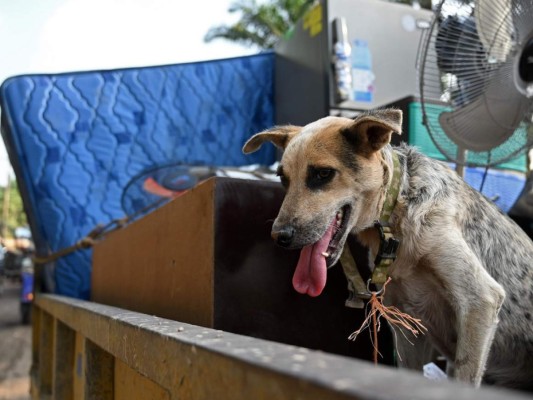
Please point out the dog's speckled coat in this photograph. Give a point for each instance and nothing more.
(463, 267)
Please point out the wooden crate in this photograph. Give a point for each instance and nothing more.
(206, 258)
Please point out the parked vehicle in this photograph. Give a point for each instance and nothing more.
(14, 251)
(26, 292)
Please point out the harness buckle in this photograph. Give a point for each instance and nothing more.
(369, 292)
(388, 244)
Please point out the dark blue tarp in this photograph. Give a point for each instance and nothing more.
(76, 139)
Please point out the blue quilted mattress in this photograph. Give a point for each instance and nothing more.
(76, 140)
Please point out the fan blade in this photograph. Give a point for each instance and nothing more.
(491, 118)
(522, 16)
(494, 27)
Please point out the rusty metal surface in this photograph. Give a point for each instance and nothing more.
(194, 362)
(99, 373)
(64, 358)
(46, 349)
(129, 384)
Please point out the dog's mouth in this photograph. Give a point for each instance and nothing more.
(311, 272)
(342, 217)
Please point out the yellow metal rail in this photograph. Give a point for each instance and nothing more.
(84, 350)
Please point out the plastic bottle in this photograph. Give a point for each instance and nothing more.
(341, 61)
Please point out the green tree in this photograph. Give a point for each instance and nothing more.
(262, 24)
(15, 209)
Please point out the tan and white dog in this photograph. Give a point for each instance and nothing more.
(459, 255)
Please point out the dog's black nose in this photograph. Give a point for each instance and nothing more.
(284, 236)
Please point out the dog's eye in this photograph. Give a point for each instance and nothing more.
(324, 173)
(282, 177)
(317, 177)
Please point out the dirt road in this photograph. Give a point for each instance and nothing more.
(15, 347)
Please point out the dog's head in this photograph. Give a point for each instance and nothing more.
(335, 178)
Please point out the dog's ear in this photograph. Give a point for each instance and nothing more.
(373, 130)
(278, 135)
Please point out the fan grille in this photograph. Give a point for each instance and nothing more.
(471, 50)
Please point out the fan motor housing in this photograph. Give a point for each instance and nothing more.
(525, 65)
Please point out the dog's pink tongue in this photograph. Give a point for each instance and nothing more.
(311, 271)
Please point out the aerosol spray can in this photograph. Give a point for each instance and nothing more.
(342, 69)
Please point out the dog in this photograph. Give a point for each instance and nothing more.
(462, 267)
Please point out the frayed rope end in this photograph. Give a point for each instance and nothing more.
(393, 315)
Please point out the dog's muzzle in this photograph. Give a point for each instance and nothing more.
(284, 236)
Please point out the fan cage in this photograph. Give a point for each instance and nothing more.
(447, 83)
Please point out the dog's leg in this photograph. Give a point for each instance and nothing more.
(415, 352)
(477, 299)
(412, 352)
(450, 370)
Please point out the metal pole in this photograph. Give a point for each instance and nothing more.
(461, 161)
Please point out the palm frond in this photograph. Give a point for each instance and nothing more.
(260, 24)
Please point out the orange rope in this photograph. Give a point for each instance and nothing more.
(393, 315)
(375, 325)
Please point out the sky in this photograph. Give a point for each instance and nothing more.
(48, 36)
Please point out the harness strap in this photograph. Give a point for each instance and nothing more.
(387, 249)
(393, 191)
(386, 255)
(388, 243)
(356, 285)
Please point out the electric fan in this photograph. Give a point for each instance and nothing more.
(159, 184)
(476, 80)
